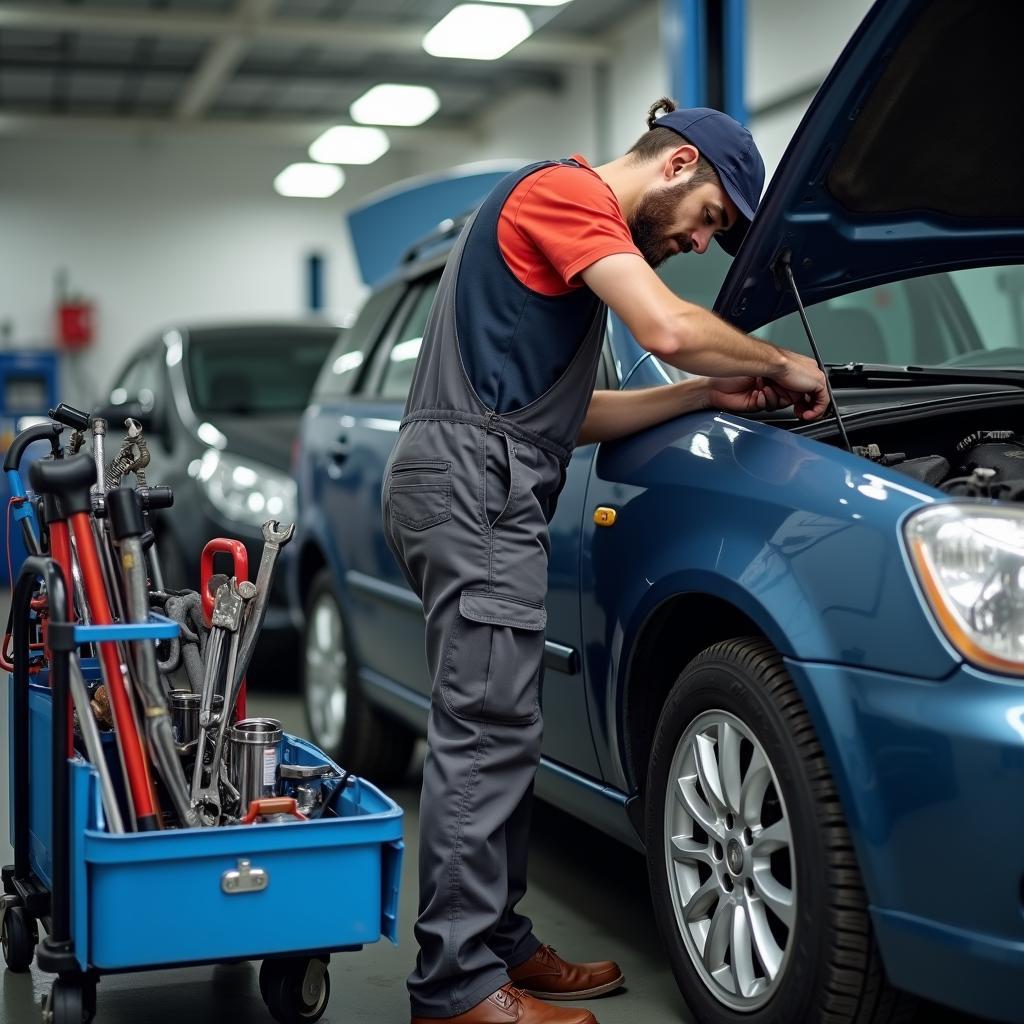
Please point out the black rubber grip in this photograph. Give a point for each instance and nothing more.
(53, 511)
(153, 498)
(70, 479)
(70, 416)
(40, 432)
(124, 513)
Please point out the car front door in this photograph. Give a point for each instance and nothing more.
(386, 616)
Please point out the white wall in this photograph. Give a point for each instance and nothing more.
(156, 231)
(178, 229)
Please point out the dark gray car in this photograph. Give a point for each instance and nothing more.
(220, 405)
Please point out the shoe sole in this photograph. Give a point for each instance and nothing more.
(583, 993)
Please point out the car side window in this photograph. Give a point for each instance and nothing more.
(139, 382)
(352, 350)
(396, 376)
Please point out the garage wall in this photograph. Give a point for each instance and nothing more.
(159, 230)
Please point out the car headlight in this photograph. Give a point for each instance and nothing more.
(970, 563)
(245, 491)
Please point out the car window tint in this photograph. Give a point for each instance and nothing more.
(994, 297)
(405, 347)
(342, 367)
(259, 369)
(697, 278)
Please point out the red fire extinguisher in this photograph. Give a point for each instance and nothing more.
(75, 317)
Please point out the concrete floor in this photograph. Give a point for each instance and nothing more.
(588, 898)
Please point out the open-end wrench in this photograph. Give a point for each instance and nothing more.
(274, 538)
(225, 622)
(208, 800)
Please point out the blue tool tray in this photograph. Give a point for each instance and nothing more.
(153, 899)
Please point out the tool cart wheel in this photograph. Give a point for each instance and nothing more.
(65, 1003)
(296, 991)
(19, 936)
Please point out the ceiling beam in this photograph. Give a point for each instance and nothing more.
(547, 47)
(219, 62)
(282, 131)
(511, 78)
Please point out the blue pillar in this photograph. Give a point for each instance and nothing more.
(314, 282)
(683, 36)
(735, 37)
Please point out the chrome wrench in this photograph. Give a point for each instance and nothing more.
(209, 797)
(274, 538)
(225, 622)
(226, 617)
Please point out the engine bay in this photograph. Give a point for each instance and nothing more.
(953, 454)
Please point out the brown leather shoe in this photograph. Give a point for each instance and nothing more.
(510, 1005)
(547, 976)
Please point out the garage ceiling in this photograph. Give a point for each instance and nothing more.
(267, 69)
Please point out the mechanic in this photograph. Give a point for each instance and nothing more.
(502, 393)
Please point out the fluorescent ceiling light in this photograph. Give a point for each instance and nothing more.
(405, 105)
(478, 32)
(347, 144)
(531, 3)
(309, 181)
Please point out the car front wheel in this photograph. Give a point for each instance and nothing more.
(753, 876)
(342, 722)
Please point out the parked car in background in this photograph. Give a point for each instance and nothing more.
(220, 406)
(792, 670)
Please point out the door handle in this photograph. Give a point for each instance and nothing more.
(340, 449)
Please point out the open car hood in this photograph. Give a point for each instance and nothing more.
(910, 160)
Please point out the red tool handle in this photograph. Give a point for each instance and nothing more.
(240, 570)
(139, 782)
(272, 805)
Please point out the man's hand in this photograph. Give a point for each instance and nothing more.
(745, 394)
(801, 386)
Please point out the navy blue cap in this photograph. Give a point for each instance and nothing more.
(730, 149)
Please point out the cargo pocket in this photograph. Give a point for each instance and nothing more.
(494, 658)
(420, 492)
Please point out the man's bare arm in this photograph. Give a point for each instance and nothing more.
(690, 337)
(615, 414)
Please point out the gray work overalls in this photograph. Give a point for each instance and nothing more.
(502, 385)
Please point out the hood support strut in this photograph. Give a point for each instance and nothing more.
(784, 275)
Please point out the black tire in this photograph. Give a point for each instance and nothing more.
(65, 1004)
(829, 971)
(283, 987)
(368, 742)
(19, 936)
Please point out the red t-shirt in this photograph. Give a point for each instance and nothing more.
(556, 223)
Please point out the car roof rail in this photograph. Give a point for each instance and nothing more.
(447, 229)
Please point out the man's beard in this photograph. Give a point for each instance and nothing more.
(657, 208)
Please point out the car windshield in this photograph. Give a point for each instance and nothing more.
(964, 318)
(255, 369)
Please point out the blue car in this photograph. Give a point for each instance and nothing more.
(786, 660)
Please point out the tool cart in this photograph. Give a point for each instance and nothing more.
(281, 854)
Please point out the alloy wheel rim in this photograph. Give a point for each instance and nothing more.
(730, 861)
(325, 667)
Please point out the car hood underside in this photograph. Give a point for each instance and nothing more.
(907, 162)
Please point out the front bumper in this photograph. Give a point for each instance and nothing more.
(931, 778)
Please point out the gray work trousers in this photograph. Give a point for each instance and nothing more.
(463, 519)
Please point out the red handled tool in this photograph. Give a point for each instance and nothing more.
(239, 569)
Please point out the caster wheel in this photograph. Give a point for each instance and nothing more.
(295, 991)
(19, 936)
(64, 1005)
